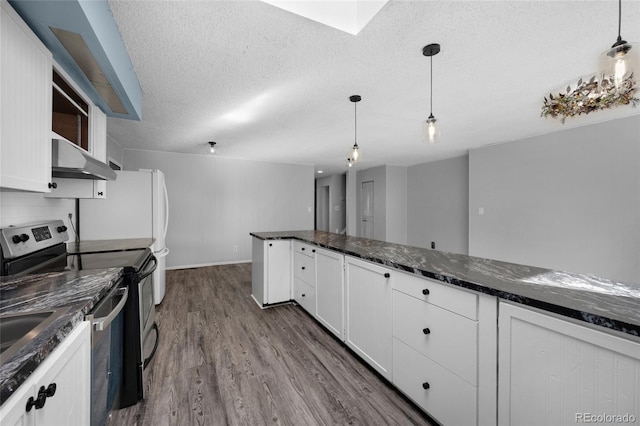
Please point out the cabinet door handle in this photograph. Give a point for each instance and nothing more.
(387, 275)
(302, 248)
(270, 245)
(50, 391)
(426, 330)
(52, 185)
(303, 295)
(425, 385)
(313, 251)
(303, 268)
(425, 291)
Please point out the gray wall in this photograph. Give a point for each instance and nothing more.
(438, 205)
(215, 203)
(337, 197)
(569, 200)
(396, 214)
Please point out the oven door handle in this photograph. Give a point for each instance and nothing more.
(99, 324)
(148, 272)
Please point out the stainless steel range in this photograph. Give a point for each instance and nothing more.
(41, 247)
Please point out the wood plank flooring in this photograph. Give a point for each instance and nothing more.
(222, 360)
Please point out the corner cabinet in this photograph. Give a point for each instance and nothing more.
(68, 369)
(25, 121)
(368, 313)
(554, 371)
(271, 271)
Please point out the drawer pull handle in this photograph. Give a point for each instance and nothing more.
(425, 385)
(313, 251)
(387, 275)
(425, 291)
(270, 245)
(303, 268)
(302, 248)
(303, 294)
(426, 330)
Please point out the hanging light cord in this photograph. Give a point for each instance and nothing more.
(619, 19)
(431, 89)
(355, 125)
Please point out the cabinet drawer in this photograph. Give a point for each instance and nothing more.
(449, 399)
(305, 249)
(457, 300)
(305, 295)
(304, 267)
(447, 338)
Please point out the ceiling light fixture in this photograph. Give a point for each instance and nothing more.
(213, 147)
(349, 162)
(430, 131)
(355, 151)
(617, 63)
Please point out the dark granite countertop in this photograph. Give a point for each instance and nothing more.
(99, 246)
(77, 292)
(585, 297)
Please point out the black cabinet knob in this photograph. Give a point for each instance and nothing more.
(425, 385)
(51, 390)
(313, 251)
(270, 245)
(425, 291)
(303, 294)
(387, 275)
(52, 185)
(303, 268)
(426, 330)
(302, 248)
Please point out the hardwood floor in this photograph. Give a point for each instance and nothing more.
(222, 360)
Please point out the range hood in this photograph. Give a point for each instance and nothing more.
(70, 161)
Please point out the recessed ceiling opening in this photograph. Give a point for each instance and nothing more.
(79, 51)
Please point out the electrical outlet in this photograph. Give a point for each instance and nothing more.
(235, 249)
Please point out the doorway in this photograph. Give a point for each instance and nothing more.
(366, 203)
(323, 208)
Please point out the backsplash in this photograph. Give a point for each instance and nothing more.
(19, 208)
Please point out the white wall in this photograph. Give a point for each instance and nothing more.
(19, 208)
(438, 205)
(215, 203)
(569, 200)
(114, 151)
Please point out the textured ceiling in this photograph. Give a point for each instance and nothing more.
(270, 85)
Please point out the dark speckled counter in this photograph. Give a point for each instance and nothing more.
(77, 292)
(587, 298)
(100, 246)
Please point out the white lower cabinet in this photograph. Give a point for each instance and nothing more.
(368, 313)
(330, 290)
(271, 271)
(68, 367)
(554, 371)
(444, 395)
(444, 349)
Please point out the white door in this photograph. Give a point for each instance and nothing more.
(366, 204)
(323, 208)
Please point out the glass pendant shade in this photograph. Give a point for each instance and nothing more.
(355, 153)
(430, 130)
(619, 63)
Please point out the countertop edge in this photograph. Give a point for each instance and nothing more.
(583, 316)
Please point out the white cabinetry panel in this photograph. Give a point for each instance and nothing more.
(25, 123)
(330, 290)
(271, 271)
(368, 313)
(553, 370)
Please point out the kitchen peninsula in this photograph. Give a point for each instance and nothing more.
(573, 336)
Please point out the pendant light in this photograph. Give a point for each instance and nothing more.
(430, 131)
(620, 61)
(213, 147)
(355, 151)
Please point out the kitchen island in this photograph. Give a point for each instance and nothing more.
(437, 325)
(75, 292)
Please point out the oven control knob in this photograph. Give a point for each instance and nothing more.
(24, 237)
(62, 228)
(16, 239)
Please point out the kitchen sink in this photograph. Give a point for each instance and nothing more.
(16, 330)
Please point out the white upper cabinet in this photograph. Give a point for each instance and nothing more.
(25, 93)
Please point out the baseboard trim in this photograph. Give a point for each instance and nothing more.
(203, 265)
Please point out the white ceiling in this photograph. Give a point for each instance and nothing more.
(269, 85)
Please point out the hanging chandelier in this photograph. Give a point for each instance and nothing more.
(430, 131)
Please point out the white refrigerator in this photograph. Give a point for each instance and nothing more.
(137, 206)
